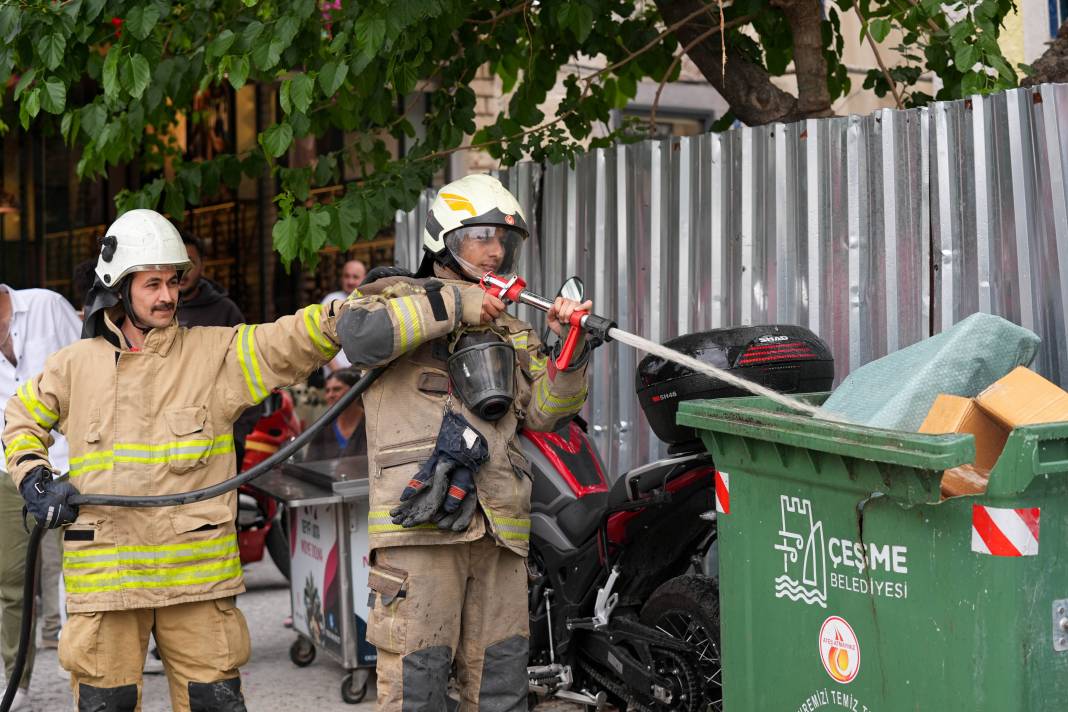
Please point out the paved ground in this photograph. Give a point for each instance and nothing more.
(270, 681)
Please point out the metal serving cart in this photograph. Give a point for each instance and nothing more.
(326, 511)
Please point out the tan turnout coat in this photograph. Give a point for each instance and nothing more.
(395, 321)
(157, 421)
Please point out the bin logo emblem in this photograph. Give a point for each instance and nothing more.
(804, 576)
(839, 650)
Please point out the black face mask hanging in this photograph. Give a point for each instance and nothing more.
(482, 371)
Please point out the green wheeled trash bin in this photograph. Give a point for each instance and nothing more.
(846, 584)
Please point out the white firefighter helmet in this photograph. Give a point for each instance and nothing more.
(475, 207)
(140, 240)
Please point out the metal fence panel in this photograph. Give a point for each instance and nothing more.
(875, 232)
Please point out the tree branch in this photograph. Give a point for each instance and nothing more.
(685, 51)
(748, 88)
(879, 60)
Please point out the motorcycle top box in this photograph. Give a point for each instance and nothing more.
(783, 357)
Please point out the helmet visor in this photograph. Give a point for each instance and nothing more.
(486, 248)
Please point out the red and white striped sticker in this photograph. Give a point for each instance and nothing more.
(723, 492)
(1005, 532)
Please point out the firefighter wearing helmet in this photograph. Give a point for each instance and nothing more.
(449, 517)
(148, 409)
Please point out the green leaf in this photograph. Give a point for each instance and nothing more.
(332, 76)
(221, 44)
(141, 19)
(319, 221)
(276, 139)
(10, 22)
(239, 69)
(251, 33)
(965, 57)
(265, 55)
(52, 48)
(879, 29)
(370, 34)
(285, 99)
(284, 235)
(285, 30)
(32, 102)
(111, 71)
(93, 8)
(54, 98)
(249, 3)
(301, 92)
(141, 76)
(174, 203)
(576, 17)
(24, 81)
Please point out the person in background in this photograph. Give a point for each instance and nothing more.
(203, 302)
(353, 273)
(346, 436)
(34, 324)
(82, 282)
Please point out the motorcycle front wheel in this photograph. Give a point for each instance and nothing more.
(687, 608)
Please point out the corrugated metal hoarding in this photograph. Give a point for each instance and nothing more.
(873, 231)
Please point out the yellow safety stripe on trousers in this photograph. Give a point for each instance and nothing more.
(380, 522)
(44, 417)
(154, 578)
(151, 454)
(550, 403)
(24, 441)
(160, 554)
(312, 316)
(508, 527)
(250, 365)
(407, 314)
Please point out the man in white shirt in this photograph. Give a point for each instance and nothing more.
(352, 276)
(34, 324)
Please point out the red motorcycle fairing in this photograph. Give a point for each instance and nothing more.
(573, 457)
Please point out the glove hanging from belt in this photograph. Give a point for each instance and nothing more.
(439, 490)
(46, 498)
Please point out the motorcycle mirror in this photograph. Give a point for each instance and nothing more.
(572, 289)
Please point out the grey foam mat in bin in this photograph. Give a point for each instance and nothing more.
(897, 391)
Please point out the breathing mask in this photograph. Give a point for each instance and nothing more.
(482, 371)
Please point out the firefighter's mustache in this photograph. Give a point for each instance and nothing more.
(164, 307)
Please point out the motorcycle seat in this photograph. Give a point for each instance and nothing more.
(640, 481)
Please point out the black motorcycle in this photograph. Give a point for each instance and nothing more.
(622, 611)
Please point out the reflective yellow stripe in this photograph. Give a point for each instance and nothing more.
(161, 578)
(41, 414)
(23, 441)
(356, 294)
(250, 365)
(380, 522)
(151, 454)
(149, 548)
(537, 363)
(552, 404)
(312, 316)
(408, 322)
(121, 556)
(508, 527)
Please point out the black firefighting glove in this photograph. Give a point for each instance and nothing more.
(46, 498)
(460, 450)
(458, 509)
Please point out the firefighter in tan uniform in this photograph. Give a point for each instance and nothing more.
(450, 488)
(148, 408)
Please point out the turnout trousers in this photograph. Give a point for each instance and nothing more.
(433, 606)
(202, 645)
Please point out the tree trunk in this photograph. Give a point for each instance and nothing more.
(803, 16)
(747, 86)
(1052, 66)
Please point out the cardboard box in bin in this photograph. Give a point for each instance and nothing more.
(1020, 398)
